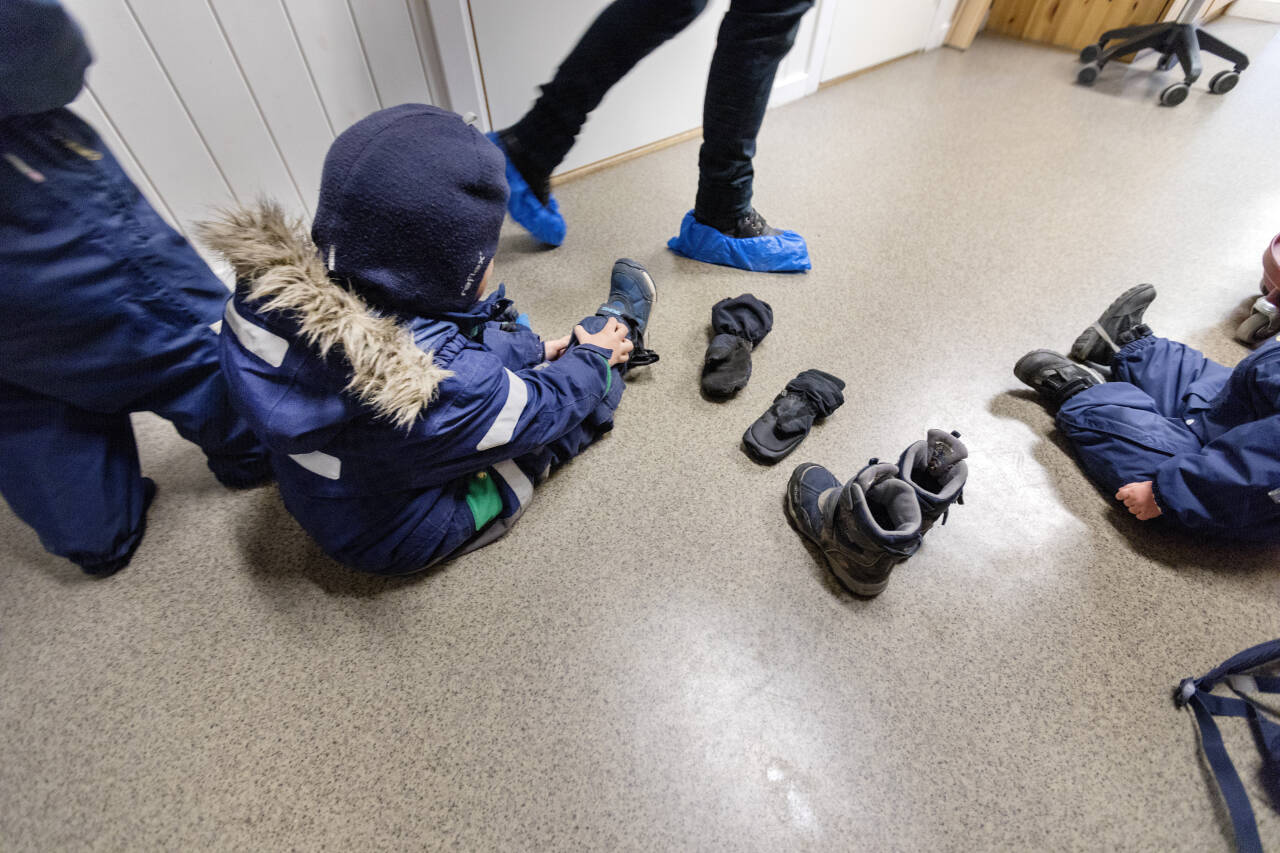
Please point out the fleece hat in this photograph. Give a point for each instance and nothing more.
(411, 203)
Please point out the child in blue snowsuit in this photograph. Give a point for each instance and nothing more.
(1174, 435)
(408, 415)
(107, 311)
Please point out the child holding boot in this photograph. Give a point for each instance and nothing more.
(408, 414)
(1175, 436)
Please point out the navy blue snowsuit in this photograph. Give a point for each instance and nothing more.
(398, 440)
(1208, 437)
(107, 311)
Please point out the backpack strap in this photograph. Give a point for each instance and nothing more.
(1205, 705)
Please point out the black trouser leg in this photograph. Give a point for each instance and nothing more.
(623, 34)
(754, 37)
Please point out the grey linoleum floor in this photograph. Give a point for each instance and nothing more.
(652, 660)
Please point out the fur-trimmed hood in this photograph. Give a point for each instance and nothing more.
(279, 269)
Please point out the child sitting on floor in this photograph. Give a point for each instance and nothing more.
(408, 416)
(1174, 435)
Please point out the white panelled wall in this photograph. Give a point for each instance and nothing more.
(208, 102)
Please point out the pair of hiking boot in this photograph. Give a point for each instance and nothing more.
(1057, 378)
(867, 526)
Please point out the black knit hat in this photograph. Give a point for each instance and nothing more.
(411, 203)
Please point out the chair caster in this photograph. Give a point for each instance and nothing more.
(1167, 61)
(1086, 75)
(1261, 324)
(1090, 52)
(1223, 82)
(1174, 95)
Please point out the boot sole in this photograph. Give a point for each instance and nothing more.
(1090, 338)
(857, 587)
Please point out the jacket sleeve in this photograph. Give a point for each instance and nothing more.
(493, 413)
(43, 57)
(516, 345)
(1226, 487)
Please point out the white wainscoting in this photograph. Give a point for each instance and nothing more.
(208, 102)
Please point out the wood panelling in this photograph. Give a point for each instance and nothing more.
(1070, 23)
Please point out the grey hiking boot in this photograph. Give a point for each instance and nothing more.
(936, 469)
(1054, 376)
(631, 297)
(863, 528)
(1120, 324)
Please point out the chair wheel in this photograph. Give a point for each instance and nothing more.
(1223, 82)
(1174, 95)
(1255, 328)
(1086, 75)
(1090, 53)
(1167, 61)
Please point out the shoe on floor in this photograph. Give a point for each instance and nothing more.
(541, 220)
(1054, 376)
(1120, 324)
(631, 297)
(936, 469)
(768, 250)
(863, 528)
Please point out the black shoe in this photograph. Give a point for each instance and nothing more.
(863, 529)
(1055, 377)
(750, 224)
(631, 297)
(936, 470)
(1120, 324)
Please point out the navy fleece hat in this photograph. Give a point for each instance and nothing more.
(411, 202)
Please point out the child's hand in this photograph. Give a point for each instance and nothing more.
(612, 337)
(555, 349)
(1140, 500)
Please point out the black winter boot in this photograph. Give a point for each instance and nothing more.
(1054, 376)
(936, 469)
(863, 529)
(1120, 324)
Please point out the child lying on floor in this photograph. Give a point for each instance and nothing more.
(408, 417)
(1174, 435)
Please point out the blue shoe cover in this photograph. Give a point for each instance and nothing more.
(785, 252)
(544, 222)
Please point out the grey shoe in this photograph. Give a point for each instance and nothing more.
(936, 469)
(863, 529)
(1120, 324)
(1054, 376)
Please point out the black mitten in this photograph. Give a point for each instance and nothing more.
(811, 395)
(740, 324)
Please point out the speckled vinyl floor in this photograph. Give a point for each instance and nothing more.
(652, 660)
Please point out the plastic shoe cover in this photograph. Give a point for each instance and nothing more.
(544, 222)
(782, 252)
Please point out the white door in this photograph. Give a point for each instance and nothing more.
(867, 32)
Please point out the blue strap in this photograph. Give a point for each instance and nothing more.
(1205, 705)
(1243, 823)
(1252, 658)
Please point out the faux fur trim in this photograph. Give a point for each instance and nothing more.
(274, 258)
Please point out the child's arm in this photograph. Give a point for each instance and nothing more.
(1226, 487)
(516, 345)
(493, 413)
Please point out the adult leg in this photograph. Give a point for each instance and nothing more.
(623, 34)
(754, 37)
(108, 308)
(73, 476)
(1174, 376)
(1120, 435)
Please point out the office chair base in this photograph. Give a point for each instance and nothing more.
(1177, 43)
